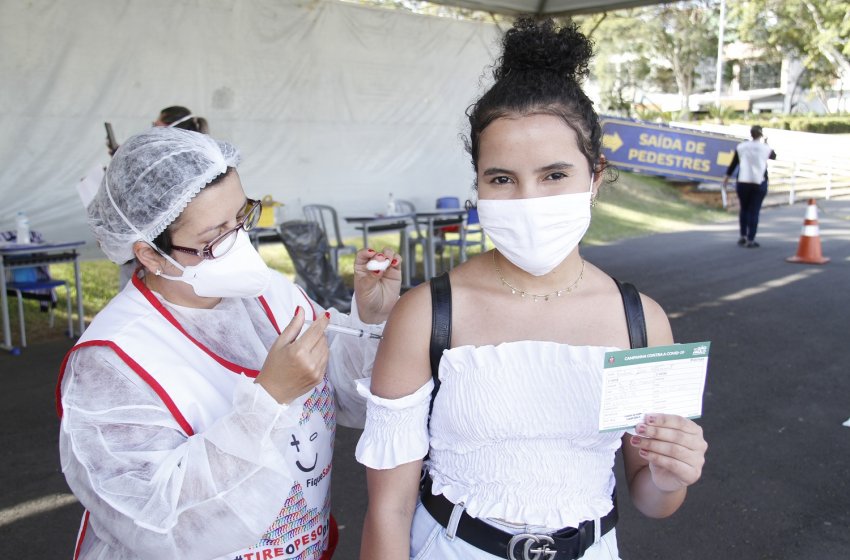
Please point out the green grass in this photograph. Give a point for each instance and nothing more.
(632, 206)
(637, 205)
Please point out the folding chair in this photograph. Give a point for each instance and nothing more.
(327, 219)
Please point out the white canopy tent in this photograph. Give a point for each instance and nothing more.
(547, 7)
(329, 102)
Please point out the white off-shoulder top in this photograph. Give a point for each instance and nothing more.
(514, 433)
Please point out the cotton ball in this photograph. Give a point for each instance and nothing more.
(377, 265)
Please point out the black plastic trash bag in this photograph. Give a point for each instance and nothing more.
(308, 248)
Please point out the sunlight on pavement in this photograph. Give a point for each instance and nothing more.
(749, 292)
(35, 507)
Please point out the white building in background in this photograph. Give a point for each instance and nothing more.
(757, 85)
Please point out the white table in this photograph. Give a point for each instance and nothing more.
(38, 254)
(432, 218)
(260, 235)
(404, 221)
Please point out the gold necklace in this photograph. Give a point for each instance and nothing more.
(535, 297)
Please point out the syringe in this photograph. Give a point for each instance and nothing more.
(350, 331)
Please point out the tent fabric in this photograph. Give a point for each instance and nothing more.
(328, 102)
(546, 7)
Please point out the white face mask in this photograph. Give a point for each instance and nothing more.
(240, 272)
(537, 234)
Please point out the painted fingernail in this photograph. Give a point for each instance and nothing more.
(394, 262)
(380, 255)
(328, 314)
(376, 272)
(635, 440)
(640, 428)
(651, 419)
(643, 452)
(370, 250)
(297, 310)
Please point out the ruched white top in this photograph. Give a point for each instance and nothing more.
(514, 433)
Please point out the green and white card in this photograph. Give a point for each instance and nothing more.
(664, 379)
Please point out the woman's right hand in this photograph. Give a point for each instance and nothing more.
(296, 365)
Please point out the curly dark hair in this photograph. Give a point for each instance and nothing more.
(539, 73)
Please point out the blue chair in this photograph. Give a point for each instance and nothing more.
(449, 202)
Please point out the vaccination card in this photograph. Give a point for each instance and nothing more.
(665, 379)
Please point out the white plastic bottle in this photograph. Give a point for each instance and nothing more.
(391, 211)
(23, 228)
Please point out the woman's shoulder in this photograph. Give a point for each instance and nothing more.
(657, 325)
(401, 365)
(403, 361)
(412, 305)
(658, 329)
(606, 301)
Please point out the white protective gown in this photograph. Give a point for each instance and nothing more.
(174, 450)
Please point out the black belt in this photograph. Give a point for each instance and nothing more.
(569, 543)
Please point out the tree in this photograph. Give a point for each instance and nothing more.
(642, 49)
(683, 35)
(818, 33)
(621, 66)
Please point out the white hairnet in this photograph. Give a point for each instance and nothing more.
(149, 182)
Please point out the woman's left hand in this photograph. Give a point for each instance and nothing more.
(376, 290)
(674, 447)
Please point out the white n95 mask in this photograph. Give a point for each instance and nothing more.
(240, 272)
(536, 234)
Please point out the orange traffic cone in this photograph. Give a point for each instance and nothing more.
(809, 251)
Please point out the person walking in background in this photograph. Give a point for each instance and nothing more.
(751, 160)
(516, 465)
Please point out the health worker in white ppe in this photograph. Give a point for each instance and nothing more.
(198, 410)
(513, 342)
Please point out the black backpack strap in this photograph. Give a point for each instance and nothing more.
(441, 327)
(635, 320)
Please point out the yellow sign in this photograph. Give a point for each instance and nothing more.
(268, 213)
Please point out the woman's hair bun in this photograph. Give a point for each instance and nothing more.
(538, 46)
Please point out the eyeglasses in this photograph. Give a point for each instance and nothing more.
(219, 246)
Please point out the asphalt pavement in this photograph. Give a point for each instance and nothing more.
(776, 482)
